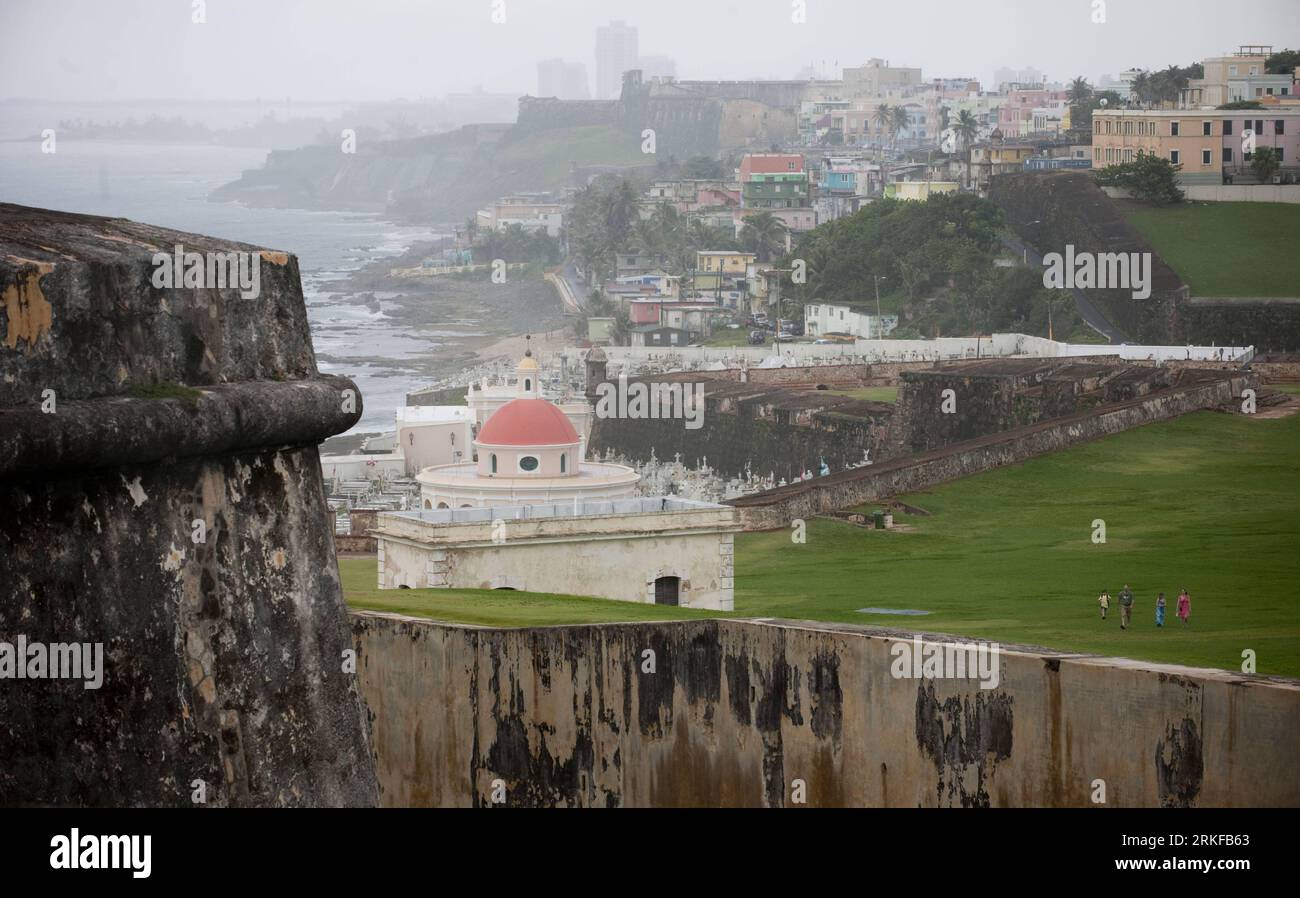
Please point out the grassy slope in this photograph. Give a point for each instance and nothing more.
(1207, 501)
(1226, 249)
(548, 155)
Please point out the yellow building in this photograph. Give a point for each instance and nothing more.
(724, 261)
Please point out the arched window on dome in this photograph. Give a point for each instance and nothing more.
(564, 456)
(494, 462)
(528, 384)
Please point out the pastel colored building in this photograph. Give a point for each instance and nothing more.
(724, 261)
(1016, 115)
(433, 435)
(1208, 144)
(527, 453)
(822, 318)
(919, 190)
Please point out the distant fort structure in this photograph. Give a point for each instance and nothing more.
(688, 118)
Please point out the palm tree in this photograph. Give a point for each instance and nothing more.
(883, 118)
(764, 235)
(901, 120)
(1142, 86)
(967, 128)
(1080, 92)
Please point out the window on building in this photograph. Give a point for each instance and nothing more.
(528, 462)
(1227, 154)
(528, 384)
(1227, 127)
(494, 462)
(1205, 157)
(1279, 126)
(1173, 129)
(564, 458)
(410, 439)
(1259, 126)
(1173, 156)
(1205, 129)
(1232, 70)
(1280, 157)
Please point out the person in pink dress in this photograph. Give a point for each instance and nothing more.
(1184, 606)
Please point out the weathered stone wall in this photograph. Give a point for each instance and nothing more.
(751, 434)
(737, 711)
(906, 474)
(1267, 323)
(161, 495)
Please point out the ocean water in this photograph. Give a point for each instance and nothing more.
(169, 185)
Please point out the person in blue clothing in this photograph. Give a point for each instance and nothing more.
(1160, 610)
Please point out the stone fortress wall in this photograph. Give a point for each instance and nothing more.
(161, 496)
(737, 712)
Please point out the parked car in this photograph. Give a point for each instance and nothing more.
(757, 338)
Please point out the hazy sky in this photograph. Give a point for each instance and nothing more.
(384, 49)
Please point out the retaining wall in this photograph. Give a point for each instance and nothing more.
(776, 508)
(736, 712)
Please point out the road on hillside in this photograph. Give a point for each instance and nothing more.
(576, 300)
(1090, 313)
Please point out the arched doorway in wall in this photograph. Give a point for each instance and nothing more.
(428, 504)
(668, 590)
(443, 505)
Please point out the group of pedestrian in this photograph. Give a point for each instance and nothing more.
(1184, 608)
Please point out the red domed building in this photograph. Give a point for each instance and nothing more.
(527, 453)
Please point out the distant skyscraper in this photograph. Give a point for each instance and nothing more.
(565, 80)
(657, 67)
(616, 52)
(1026, 76)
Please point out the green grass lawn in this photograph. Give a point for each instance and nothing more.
(1207, 502)
(492, 607)
(725, 336)
(1225, 249)
(874, 394)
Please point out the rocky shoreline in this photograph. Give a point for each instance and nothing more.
(465, 321)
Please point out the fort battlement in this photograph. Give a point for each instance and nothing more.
(162, 499)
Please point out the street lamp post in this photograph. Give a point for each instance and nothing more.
(880, 324)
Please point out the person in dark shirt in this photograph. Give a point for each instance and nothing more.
(1125, 606)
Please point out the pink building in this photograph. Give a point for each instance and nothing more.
(1276, 128)
(1016, 115)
